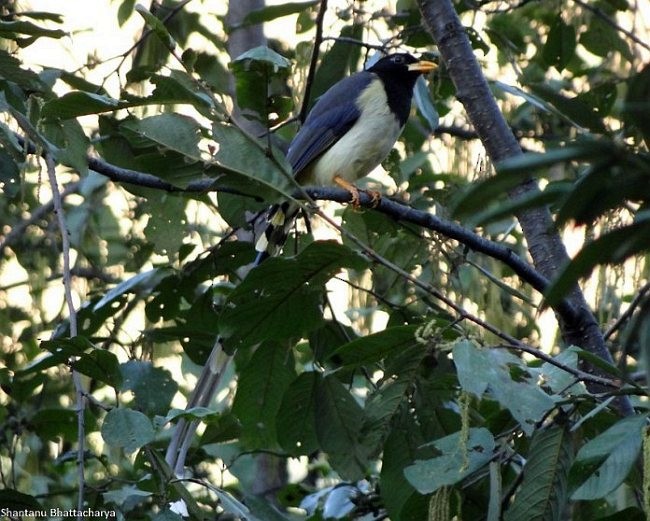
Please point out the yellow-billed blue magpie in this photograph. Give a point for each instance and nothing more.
(348, 132)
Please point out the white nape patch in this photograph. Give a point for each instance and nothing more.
(369, 141)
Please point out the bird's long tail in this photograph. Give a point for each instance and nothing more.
(272, 228)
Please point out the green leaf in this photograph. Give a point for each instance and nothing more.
(61, 349)
(560, 44)
(142, 283)
(574, 109)
(153, 387)
(636, 110)
(619, 445)
(341, 60)
(13, 499)
(127, 429)
(261, 77)
(11, 70)
(279, 288)
(11, 30)
(71, 143)
(193, 413)
(101, 365)
(157, 26)
(260, 174)
(55, 424)
(272, 12)
(172, 131)
(373, 348)
(427, 476)
(260, 388)
(483, 370)
(78, 103)
(124, 12)
(600, 39)
(610, 248)
(543, 492)
(296, 417)
(9, 175)
(338, 428)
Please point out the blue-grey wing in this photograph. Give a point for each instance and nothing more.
(330, 118)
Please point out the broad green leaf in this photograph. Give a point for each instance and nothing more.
(488, 370)
(619, 446)
(400, 450)
(9, 174)
(11, 70)
(272, 12)
(56, 423)
(61, 351)
(74, 104)
(12, 499)
(636, 110)
(153, 387)
(427, 476)
(371, 349)
(543, 493)
(260, 388)
(125, 10)
(279, 288)
(101, 365)
(424, 103)
(341, 60)
(127, 429)
(261, 77)
(380, 409)
(296, 419)
(560, 44)
(581, 113)
(610, 248)
(71, 143)
(260, 174)
(601, 38)
(173, 131)
(474, 201)
(338, 427)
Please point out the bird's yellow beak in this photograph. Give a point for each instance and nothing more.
(423, 67)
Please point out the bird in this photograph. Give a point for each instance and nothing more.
(348, 132)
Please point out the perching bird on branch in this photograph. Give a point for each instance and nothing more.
(348, 132)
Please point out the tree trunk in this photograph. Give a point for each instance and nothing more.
(578, 327)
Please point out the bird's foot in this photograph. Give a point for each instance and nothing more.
(354, 191)
(375, 198)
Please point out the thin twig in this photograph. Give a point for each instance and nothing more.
(610, 21)
(464, 314)
(18, 231)
(629, 311)
(314, 60)
(72, 317)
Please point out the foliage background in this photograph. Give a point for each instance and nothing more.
(381, 376)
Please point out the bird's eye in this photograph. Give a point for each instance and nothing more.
(398, 59)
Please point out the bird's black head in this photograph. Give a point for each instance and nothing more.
(399, 72)
(401, 67)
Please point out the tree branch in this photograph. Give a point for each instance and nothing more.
(545, 245)
(72, 312)
(320, 18)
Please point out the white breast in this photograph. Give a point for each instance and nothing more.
(364, 146)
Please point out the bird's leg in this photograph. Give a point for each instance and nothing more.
(375, 196)
(346, 185)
